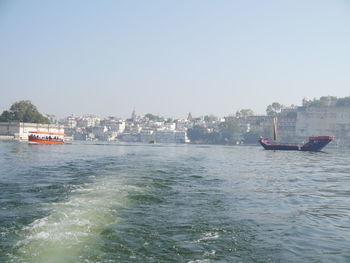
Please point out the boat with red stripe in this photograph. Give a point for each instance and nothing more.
(39, 137)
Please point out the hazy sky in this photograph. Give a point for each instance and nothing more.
(172, 57)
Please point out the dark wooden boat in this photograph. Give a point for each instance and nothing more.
(314, 144)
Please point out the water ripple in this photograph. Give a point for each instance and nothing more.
(163, 203)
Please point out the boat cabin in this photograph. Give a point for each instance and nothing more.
(46, 137)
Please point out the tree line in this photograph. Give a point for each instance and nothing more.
(23, 111)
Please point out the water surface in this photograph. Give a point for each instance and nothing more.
(172, 203)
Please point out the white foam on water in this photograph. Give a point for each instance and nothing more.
(72, 228)
(209, 236)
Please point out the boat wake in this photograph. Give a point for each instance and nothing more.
(71, 232)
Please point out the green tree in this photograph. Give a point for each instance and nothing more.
(229, 131)
(210, 118)
(324, 101)
(152, 117)
(169, 120)
(23, 111)
(251, 137)
(274, 109)
(243, 113)
(6, 116)
(343, 102)
(198, 134)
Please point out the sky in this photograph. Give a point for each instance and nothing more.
(172, 57)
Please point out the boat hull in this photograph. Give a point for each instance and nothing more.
(280, 147)
(43, 141)
(314, 144)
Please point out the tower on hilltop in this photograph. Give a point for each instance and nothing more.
(133, 115)
(189, 117)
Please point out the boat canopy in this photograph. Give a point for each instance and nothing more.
(47, 133)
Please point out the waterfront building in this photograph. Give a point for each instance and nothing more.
(129, 137)
(20, 130)
(181, 137)
(147, 135)
(332, 121)
(110, 136)
(170, 136)
(165, 136)
(99, 132)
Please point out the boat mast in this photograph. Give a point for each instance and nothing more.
(275, 128)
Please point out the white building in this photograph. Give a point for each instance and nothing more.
(118, 126)
(183, 125)
(20, 130)
(170, 126)
(171, 136)
(88, 121)
(316, 121)
(70, 122)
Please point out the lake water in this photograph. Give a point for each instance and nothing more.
(172, 203)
